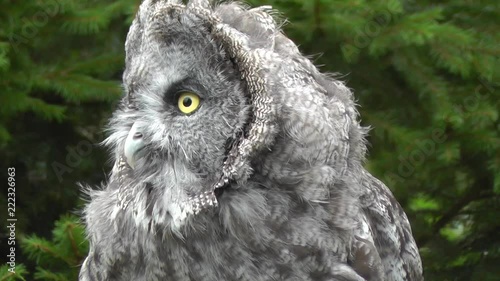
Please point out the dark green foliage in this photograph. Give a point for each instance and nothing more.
(60, 70)
(425, 74)
(58, 259)
(19, 273)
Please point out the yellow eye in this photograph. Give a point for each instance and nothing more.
(188, 102)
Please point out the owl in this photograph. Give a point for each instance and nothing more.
(236, 159)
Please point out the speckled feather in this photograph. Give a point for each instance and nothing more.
(265, 181)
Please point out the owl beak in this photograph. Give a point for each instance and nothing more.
(133, 143)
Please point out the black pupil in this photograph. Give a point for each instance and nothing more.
(187, 101)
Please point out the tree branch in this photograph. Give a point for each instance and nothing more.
(451, 213)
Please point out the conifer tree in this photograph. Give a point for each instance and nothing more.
(425, 74)
(58, 259)
(60, 69)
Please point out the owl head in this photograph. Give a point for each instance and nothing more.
(217, 98)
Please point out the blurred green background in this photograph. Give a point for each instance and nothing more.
(425, 74)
